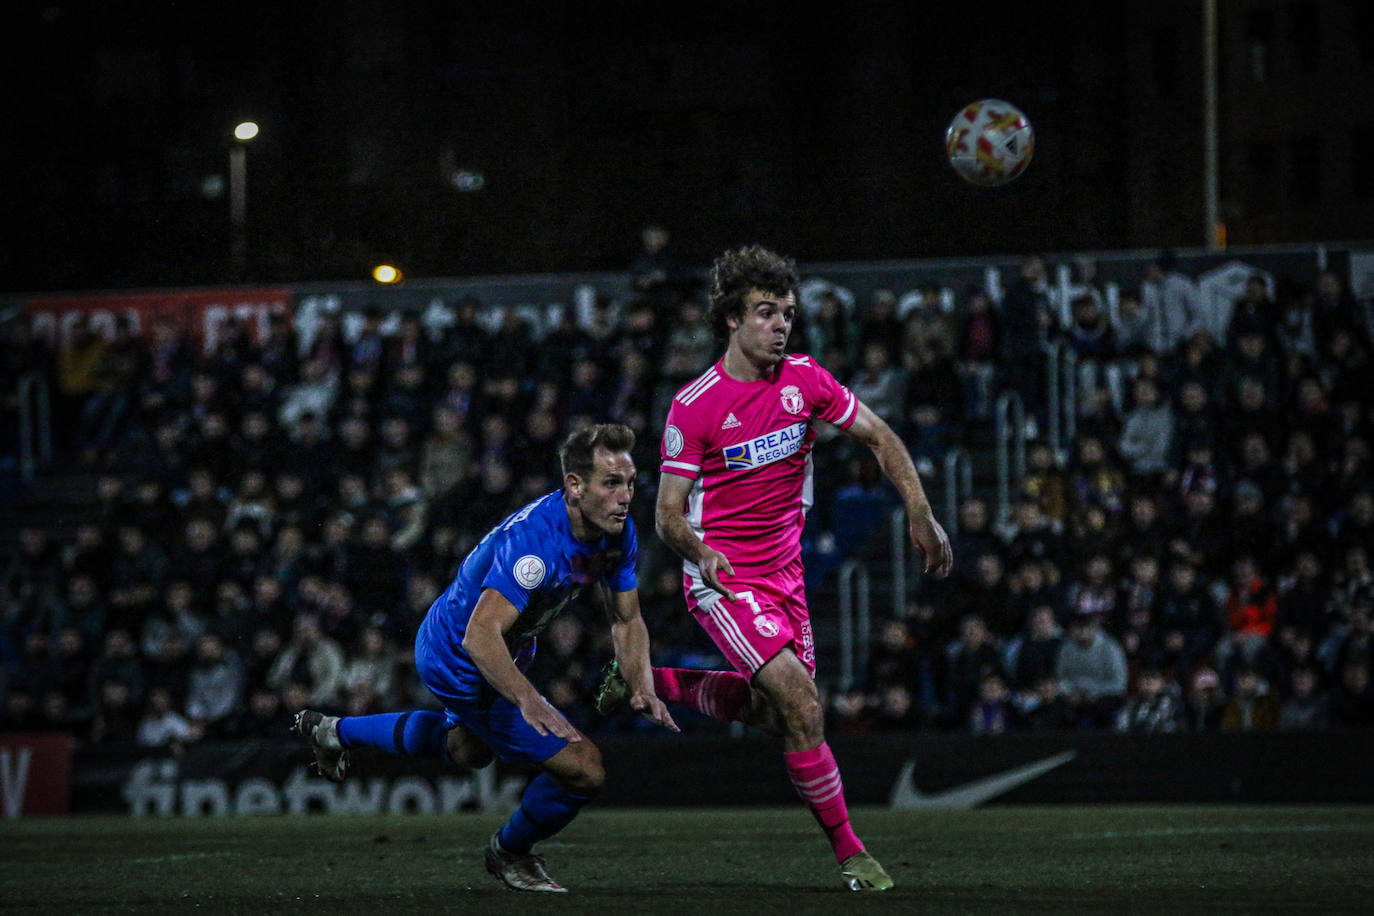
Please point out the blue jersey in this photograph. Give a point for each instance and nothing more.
(534, 561)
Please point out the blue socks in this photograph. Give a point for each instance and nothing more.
(545, 809)
(419, 733)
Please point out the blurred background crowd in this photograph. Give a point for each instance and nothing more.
(271, 519)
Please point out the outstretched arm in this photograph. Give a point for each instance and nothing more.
(485, 643)
(926, 533)
(671, 524)
(631, 640)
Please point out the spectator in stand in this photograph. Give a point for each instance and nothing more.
(978, 342)
(1137, 608)
(1029, 325)
(1154, 708)
(1134, 330)
(313, 660)
(369, 677)
(1047, 709)
(1205, 701)
(1046, 482)
(880, 384)
(1252, 533)
(163, 726)
(1201, 535)
(1095, 479)
(1091, 667)
(313, 394)
(1353, 705)
(118, 661)
(446, 457)
(1188, 621)
(1254, 312)
(1307, 707)
(1172, 301)
(1251, 608)
(993, 713)
(266, 717)
(116, 716)
(971, 658)
(881, 323)
(974, 538)
(81, 610)
(406, 509)
(1090, 337)
(215, 688)
(1147, 434)
(1253, 707)
(1036, 651)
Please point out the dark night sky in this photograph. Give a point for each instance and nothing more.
(729, 122)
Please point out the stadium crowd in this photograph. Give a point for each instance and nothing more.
(272, 517)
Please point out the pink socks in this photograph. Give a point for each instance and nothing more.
(718, 694)
(817, 779)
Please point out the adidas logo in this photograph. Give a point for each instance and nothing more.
(730, 422)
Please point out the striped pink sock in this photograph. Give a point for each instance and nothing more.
(718, 694)
(817, 779)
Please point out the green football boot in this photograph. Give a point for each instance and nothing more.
(861, 872)
(614, 691)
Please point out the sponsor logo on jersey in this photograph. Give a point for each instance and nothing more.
(731, 422)
(529, 571)
(672, 441)
(792, 400)
(765, 449)
(766, 627)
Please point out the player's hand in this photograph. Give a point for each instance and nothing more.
(933, 543)
(546, 720)
(653, 709)
(713, 565)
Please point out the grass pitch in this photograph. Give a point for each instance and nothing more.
(739, 860)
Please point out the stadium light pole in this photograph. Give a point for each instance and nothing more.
(244, 132)
(1212, 239)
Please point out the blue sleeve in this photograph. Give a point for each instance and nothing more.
(517, 567)
(624, 578)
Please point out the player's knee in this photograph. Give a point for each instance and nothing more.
(804, 717)
(467, 750)
(586, 774)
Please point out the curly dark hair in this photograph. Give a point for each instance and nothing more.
(737, 272)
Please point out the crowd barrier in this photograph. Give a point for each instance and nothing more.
(42, 775)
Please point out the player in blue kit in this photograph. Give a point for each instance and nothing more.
(479, 638)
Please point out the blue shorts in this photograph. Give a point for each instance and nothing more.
(478, 708)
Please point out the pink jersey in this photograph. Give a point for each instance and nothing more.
(748, 447)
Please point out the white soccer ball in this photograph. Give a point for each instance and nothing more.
(989, 142)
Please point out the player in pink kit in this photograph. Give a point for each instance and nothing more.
(736, 485)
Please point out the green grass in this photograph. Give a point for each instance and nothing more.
(740, 860)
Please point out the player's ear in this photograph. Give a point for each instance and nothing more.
(573, 484)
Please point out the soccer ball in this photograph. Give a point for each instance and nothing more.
(989, 142)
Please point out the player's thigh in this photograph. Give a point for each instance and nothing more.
(749, 629)
(787, 681)
(500, 726)
(577, 767)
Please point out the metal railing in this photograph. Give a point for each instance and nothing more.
(958, 485)
(854, 623)
(1061, 389)
(35, 425)
(1009, 429)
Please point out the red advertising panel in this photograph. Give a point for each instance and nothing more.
(201, 313)
(35, 774)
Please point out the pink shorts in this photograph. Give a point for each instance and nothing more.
(769, 614)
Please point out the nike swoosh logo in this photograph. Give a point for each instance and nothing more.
(970, 794)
